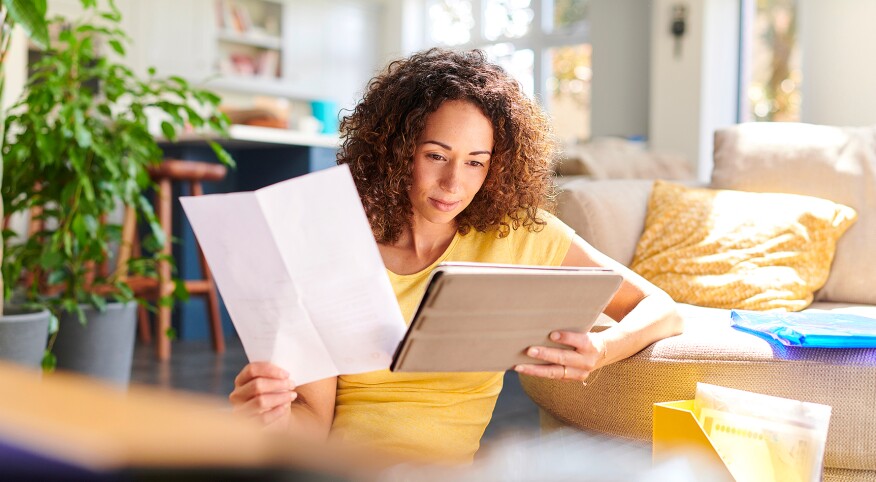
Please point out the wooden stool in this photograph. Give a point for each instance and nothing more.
(165, 174)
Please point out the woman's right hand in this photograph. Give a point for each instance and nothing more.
(264, 391)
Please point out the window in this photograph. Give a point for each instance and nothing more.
(544, 44)
(773, 92)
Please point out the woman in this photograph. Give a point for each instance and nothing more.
(452, 162)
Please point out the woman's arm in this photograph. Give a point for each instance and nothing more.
(644, 313)
(264, 391)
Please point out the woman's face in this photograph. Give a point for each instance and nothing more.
(450, 162)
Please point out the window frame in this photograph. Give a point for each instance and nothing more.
(540, 39)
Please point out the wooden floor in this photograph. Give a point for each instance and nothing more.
(195, 367)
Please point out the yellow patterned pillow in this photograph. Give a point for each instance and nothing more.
(734, 249)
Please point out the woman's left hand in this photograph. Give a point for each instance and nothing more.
(574, 365)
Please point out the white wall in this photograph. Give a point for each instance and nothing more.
(620, 33)
(402, 29)
(15, 68)
(838, 48)
(676, 88)
(333, 47)
(693, 90)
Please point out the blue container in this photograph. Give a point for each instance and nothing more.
(326, 112)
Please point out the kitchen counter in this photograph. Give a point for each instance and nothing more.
(242, 136)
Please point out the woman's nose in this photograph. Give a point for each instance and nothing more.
(450, 178)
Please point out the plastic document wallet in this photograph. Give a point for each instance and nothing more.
(814, 329)
(477, 317)
(677, 433)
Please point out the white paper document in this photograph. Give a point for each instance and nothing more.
(300, 274)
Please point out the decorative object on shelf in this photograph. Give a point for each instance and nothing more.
(74, 154)
(249, 38)
(326, 112)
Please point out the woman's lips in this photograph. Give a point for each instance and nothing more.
(443, 206)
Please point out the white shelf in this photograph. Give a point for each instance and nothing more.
(259, 41)
(259, 85)
(267, 135)
(282, 136)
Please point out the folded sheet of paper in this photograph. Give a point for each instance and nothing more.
(300, 274)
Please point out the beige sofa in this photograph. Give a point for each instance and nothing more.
(827, 162)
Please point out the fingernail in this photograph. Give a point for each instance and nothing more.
(518, 368)
(533, 351)
(555, 336)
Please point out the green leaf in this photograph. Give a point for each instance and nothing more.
(51, 259)
(222, 154)
(49, 362)
(117, 46)
(31, 15)
(112, 17)
(83, 136)
(56, 277)
(80, 313)
(208, 97)
(179, 80)
(171, 333)
(68, 243)
(98, 302)
(179, 290)
(53, 323)
(79, 227)
(168, 130)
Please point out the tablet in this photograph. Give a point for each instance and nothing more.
(477, 317)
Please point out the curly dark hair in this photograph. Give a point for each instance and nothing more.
(381, 133)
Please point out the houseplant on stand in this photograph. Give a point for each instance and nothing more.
(77, 149)
(23, 328)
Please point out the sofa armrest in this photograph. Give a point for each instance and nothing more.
(608, 214)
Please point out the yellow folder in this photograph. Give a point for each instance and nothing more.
(677, 433)
(738, 447)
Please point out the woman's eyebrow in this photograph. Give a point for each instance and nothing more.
(445, 146)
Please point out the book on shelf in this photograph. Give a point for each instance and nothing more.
(268, 64)
(265, 64)
(233, 17)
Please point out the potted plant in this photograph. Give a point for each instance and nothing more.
(23, 328)
(77, 148)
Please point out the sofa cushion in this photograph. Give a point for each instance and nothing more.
(619, 398)
(734, 249)
(618, 158)
(828, 162)
(608, 214)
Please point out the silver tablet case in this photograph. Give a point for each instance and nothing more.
(479, 317)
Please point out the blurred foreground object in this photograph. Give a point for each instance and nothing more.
(69, 426)
(564, 455)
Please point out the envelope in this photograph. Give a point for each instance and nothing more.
(677, 433)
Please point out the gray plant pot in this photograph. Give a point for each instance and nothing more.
(103, 347)
(23, 335)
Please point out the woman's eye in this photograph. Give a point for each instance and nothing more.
(436, 157)
(476, 163)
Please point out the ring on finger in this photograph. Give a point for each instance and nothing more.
(564, 372)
